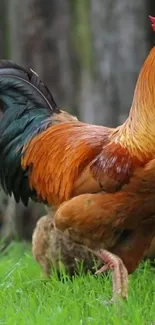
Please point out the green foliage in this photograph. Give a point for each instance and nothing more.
(27, 298)
(81, 33)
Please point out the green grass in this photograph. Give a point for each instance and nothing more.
(26, 298)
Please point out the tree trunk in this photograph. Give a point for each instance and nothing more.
(40, 39)
(26, 219)
(3, 30)
(16, 220)
(120, 45)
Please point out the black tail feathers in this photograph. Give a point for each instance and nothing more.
(16, 81)
(26, 106)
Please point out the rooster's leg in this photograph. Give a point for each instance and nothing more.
(120, 273)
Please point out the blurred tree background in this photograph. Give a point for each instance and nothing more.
(88, 52)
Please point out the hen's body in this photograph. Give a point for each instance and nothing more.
(122, 222)
(51, 246)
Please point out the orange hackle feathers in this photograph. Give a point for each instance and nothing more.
(137, 133)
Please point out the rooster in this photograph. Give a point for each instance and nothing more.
(49, 156)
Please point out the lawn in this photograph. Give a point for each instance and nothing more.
(27, 298)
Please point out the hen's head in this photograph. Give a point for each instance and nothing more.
(152, 22)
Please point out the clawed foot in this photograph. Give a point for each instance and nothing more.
(120, 273)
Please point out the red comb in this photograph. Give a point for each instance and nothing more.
(153, 22)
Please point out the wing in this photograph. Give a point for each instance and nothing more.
(58, 156)
(114, 166)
